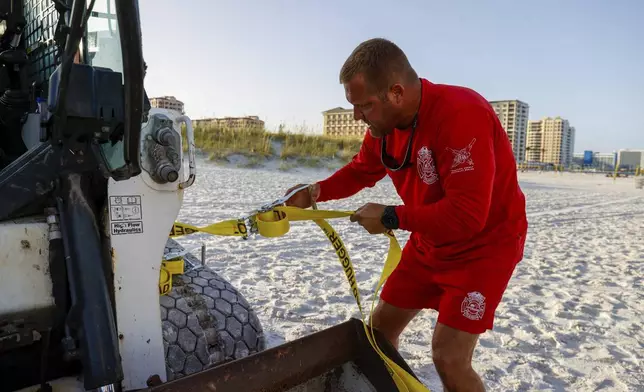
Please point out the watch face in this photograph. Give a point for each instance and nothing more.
(388, 221)
(389, 218)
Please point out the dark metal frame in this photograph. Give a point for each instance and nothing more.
(127, 15)
(293, 363)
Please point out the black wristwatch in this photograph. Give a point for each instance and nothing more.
(389, 218)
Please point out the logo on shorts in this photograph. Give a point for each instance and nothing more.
(473, 306)
(426, 166)
(462, 158)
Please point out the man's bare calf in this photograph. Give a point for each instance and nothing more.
(452, 349)
(452, 352)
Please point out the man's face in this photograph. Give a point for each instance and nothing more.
(380, 114)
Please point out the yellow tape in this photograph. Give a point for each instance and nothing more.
(174, 267)
(165, 281)
(276, 223)
(169, 268)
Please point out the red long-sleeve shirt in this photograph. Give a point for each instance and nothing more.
(461, 194)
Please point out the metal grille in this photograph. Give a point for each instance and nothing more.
(41, 18)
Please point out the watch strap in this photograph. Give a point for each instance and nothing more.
(389, 218)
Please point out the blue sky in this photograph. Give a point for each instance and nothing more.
(279, 59)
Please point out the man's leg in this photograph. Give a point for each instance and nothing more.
(408, 290)
(470, 298)
(391, 320)
(452, 351)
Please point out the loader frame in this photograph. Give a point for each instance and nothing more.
(324, 354)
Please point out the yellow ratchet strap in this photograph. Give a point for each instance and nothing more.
(276, 223)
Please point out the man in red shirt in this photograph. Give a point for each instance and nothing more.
(452, 165)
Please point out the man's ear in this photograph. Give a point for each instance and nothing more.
(397, 91)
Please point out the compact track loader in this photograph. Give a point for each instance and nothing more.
(94, 295)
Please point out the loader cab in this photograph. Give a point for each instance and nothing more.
(44, 46)
(102, 44)
(37, 63)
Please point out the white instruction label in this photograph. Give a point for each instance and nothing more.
(126, 214)
(127, 228)
(125, 208)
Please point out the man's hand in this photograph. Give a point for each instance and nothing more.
(369, 216)
(303, 198)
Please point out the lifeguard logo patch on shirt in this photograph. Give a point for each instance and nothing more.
(426, 166)
(462, 158)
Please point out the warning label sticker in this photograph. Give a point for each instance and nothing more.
(125, 208)
(126, 214)
(119, 228)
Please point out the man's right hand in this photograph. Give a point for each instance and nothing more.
(303, 198)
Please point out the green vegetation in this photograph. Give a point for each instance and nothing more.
(257, 145)
(311, 147)
(220, 143)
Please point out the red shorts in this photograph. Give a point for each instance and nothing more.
(465, 295)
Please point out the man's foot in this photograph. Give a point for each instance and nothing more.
(452, 354)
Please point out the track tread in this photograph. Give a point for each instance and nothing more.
(205, 321)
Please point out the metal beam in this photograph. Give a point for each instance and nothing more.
(293, 363)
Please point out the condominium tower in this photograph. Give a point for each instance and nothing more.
(550, 140)
(513, 115)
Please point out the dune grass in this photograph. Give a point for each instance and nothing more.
(314, 146)
(307, 150)
(220, 143)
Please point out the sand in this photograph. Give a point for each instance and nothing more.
(571, 319)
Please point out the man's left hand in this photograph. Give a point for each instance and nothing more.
(369, 216)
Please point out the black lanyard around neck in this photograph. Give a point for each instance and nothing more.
(388, 161)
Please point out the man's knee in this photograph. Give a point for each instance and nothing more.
(452, 350)
(391, 320)
(449, 362)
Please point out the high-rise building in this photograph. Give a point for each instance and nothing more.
(340, 122)
(534, 146)
(167, 102)
(550, 140)
(513, 115)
